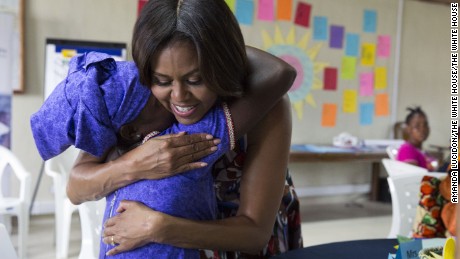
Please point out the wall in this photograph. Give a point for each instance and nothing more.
(423, 73)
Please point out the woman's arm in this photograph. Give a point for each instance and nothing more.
(92, 178)
(261, 191)
(269, 78)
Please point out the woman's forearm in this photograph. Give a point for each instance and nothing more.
(268, 80)
(92, 179)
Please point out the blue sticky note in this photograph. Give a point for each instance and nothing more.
(320, 28)
(366, 113)
(409, 250)
(352, 45)
(245, 11)
(370, 21)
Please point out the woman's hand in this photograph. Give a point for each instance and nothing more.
(135, 226)
(92, 179)
(168, 155)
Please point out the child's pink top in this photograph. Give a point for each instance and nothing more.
(409, 153)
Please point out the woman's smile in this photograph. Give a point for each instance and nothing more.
(182, 110)
(178, 84)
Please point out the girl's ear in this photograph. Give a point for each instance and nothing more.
(129, 133)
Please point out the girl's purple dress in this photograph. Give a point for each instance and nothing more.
(188, 195)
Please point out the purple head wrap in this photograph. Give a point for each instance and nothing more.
(88, 108)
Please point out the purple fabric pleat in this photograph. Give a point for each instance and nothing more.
(89, 106)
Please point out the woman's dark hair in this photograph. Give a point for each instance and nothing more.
(412, 112)
(209, 25)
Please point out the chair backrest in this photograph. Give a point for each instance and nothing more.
(6, 246)
(91, 216)
(59, 168)
(392, 152)
(404, 183)
(10, 163)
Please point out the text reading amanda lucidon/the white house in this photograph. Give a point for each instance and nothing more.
(454, 101)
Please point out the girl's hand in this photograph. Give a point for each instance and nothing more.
(135, 226)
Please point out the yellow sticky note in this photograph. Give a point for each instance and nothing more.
(381, 105)
(329, 115)
(380, 78)
(368, 54)
(350, 98)
(68, 53)
(348, 70)
(231, 4)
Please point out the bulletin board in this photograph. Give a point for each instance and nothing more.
(11, 46)
(344, 54)
(59, 52)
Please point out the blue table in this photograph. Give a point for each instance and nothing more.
(357, 249)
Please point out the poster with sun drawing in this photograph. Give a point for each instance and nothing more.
(298, 54)
(342, 51)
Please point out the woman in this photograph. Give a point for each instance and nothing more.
(257, 210)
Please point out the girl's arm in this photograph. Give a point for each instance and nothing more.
(269, 79)
(261, 191)
(91, 178)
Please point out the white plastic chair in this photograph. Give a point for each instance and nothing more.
(91, 215)
(392, 152)
(17, 206)
(58, 168)
(404, 183)
(6, 246)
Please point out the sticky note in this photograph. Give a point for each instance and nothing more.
(329, 115)
(284, 10)
(330, 78)
(348, 69)
(370, 21)
(302, 15)
(245, 11)
(366, 84)
(352, 44)
(266, 10)
(381, 105)
(368, 54)
(366, 113)
(336, 34)
(350, 98)
(320, 28)
(383, 46)
(380, 77)
(231, 4)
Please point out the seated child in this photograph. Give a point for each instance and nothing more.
(89, 108)
(417, 129)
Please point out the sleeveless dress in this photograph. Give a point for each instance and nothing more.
(286, 233)
(188, 195)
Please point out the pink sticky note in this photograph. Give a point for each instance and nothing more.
(383, 46)
(366, 84)
(266, 10)
(302, 15)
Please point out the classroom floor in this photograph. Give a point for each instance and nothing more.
(321, 223)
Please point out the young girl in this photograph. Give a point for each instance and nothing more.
(417, 129)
